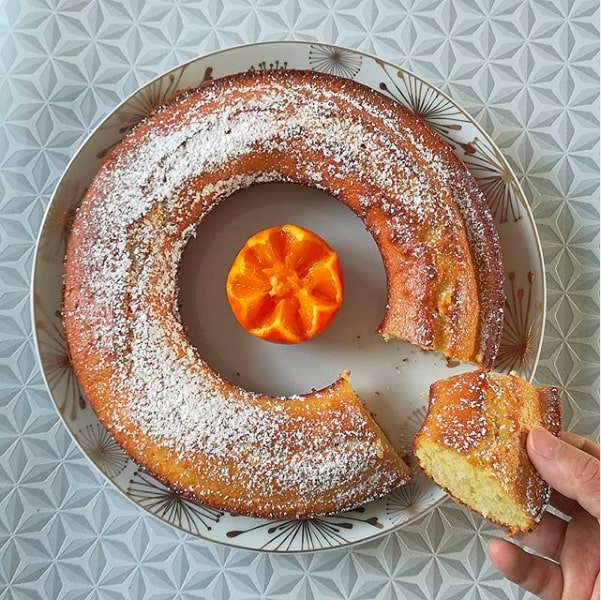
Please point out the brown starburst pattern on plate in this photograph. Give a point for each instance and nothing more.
(412, 499)
(495, 179)
(407, 433)
(171, 506)
(423, 100)
(334, 60)
(269, 66)
(56, 361)
(308, 534)
(141, 104)
(101, 447)
(518, 348)
(409, 500)
(58, 222)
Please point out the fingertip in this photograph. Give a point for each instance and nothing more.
(534, 573)
(542, 442)
(494, 545)
(574, 473)
(502, 555)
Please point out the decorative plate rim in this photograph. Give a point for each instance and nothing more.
(523, 202)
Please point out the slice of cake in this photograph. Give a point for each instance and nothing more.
(473, 444)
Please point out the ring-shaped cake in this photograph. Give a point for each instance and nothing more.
(206, 438)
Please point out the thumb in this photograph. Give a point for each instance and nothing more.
(569, 470)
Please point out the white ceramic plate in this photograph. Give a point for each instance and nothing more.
(392, 378)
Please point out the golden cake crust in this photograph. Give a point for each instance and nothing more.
(203, 436)
(484, 417)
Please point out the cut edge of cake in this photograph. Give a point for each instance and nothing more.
(473, 444)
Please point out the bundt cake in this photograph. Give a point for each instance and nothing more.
(473, 444)
(204, 437)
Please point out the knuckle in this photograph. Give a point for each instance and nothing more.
(586, 471)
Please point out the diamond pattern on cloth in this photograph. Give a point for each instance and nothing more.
(528, 71)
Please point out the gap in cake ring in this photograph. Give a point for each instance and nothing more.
(239, 356)
(380, 369)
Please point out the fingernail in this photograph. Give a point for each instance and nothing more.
(544, 443)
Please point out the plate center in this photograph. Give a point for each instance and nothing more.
(256, 364)
(390, 377)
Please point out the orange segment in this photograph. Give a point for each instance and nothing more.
(285, 284)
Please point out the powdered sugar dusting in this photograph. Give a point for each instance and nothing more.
(485, 417)
(137, 219)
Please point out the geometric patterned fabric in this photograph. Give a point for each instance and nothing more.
(527, 71)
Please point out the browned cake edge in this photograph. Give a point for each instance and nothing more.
(82, 365)
(521, 481)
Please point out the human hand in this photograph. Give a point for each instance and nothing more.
(570, 570)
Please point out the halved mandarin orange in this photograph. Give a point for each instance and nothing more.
(285, 284)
